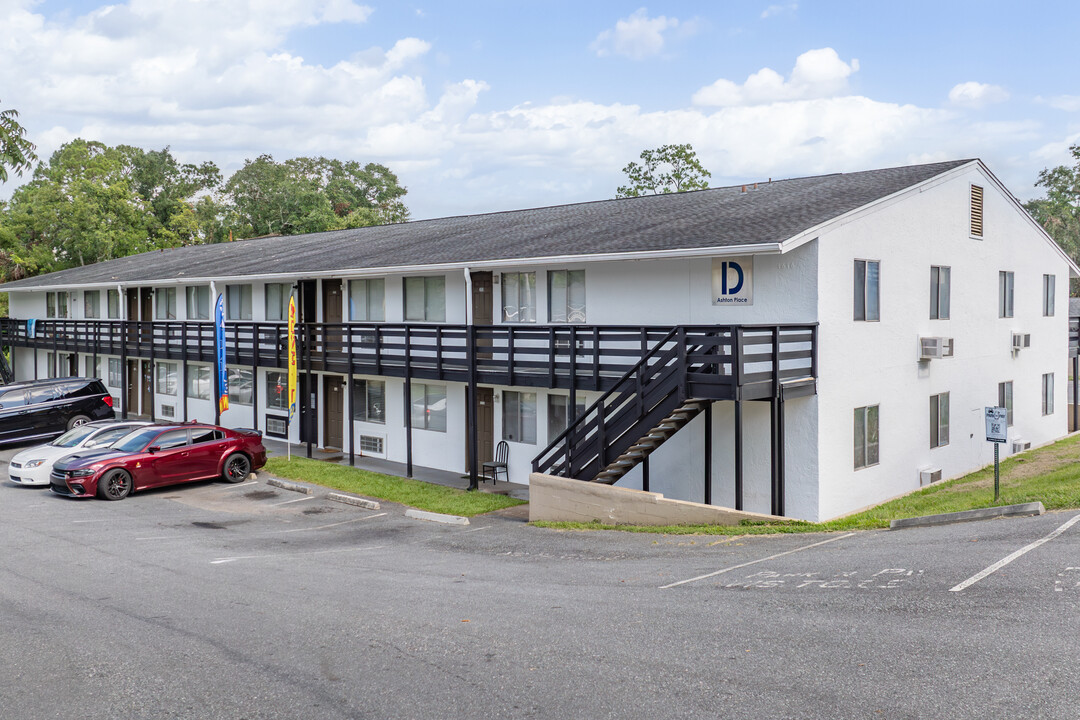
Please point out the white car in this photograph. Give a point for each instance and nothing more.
(33, 465)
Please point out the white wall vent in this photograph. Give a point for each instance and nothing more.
(1021, 341)
(931, 348)
(168, 411)
(372, 444)
(929, 475)
(1019, 445)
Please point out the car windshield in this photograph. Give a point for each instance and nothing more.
(74, 436)
(136, 440)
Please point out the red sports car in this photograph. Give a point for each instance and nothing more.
(158, 455)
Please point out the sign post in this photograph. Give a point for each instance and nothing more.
(997, 428)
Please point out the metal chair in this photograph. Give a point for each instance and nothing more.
(502, 452)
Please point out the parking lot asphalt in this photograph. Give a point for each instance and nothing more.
(211, 600)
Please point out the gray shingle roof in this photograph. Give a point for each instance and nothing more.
(719, 217)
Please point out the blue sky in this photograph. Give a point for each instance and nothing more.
(483, 106)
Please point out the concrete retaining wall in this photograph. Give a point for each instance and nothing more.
(558, 499)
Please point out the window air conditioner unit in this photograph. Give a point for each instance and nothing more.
(930, 475)
(931, 348)
(1021, 341)
(1019, 445)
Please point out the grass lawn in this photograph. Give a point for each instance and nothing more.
(421, 495)
(1049, 474)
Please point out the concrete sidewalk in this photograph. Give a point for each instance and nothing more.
(279, 448)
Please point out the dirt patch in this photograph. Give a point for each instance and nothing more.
(260, 494)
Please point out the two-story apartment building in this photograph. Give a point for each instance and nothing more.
(804, 347)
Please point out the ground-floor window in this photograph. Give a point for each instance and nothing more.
(1048, 394)
(116, 372)
(939, 420)
(92, 366)
(166, 378)
(519, 416)
(240, 386)
(866, 436)
(558, 414)
(198, 382)
(1005, 399)
(277, 391)
(428, 407)
(369, 400)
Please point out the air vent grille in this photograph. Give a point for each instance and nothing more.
(976, 211)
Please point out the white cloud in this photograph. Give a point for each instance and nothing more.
(977, 95)
(1068, 103)
(817, 73)
(637, 36)
(774, 10)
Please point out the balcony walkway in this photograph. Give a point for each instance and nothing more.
(278, 448)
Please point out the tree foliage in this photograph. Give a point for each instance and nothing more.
(1059, 211)
(16, 152)
(667, 169)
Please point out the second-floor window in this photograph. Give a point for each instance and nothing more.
(940, 291)
(425, 299)
(165, 303)
(867, 290)
(276, 298)
(56, 305)
(198, 303)
(367, 300)
(114, 304)
(519, 297)
(1048, 295)
(92, 304)
(1005, 294)
(566, 296)
(238, 302)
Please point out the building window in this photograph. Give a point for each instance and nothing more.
(866, 436)
(114, 304)
(199, 382)
(558, 416)
(276, 298)
(519, 416)
(1005, 400)
(50, 364)
(240, 386)
(116, 372)
(1048, 394)
(369, 401)
(1005, 294)
(976, 211)
(429, 407)
(1048, 295)
(56, 305)
(940, 290)
(238, 302)
(867, 290)
(367, 300)
(198, 303)
(165, 300)
(166, 378)
(92, 304)
(519, 297)
(939, 420)
(277, 391)
(91, 366)
(425, 298)
(566, 296)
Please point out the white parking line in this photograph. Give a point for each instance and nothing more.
(754, 562)
(323, 527)
(309, 497)
(233, 487)
(222, 561)
(1008, 559)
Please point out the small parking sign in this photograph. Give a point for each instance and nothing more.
(997, 425)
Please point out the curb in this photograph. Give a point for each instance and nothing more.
(1035, 508)
(353, 500)
(437, 517)
(286, 485)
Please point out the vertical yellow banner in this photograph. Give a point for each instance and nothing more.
(292, 358)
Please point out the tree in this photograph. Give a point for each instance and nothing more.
(1059, 211)
(16, 151)
(668, 169)
(304, 195)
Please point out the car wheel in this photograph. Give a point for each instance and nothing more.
(114, 485)
(77, 420)
(237, 468)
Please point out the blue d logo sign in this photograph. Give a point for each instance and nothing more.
(734, 289)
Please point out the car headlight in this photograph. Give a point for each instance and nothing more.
(33, 463)
(85, 472)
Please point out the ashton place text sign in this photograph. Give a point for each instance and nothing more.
(733, 281)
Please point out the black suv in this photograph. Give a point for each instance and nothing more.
(44, 408)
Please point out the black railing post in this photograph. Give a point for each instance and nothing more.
(124, 394)
(184, 373)
(571, 412)
(684, 391)
(601, 438)
(351, 417)
(255, 375)
(510, 354)
(738, 451)
(408, 403)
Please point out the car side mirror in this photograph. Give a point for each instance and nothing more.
(153, 448)
(90, 443)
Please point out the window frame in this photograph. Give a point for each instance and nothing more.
(940, 292)
(239, 294)
(431, 286)
(867, 423)
(1005, 400)
(524, 308)
(119, 370)
(1048, 394)
(1049, 287)
(516, 423)
(193, 300)
(94, 312)
(165, 376)
(195, 380)
(374, 296)
(281, 307)
(867, 298)
(939, 430)
(554, 399)
(368, 404)
(425, 392)
(567, 313)
(1006, 293)
(113, 301)
(277, 379)
(165, 310)
(236, 384)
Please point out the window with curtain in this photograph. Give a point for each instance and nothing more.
(114, 304)
(867, 290)
(238, 302)
(519, 297)
(276, 299)
(566, 296)
(92, 304)
(367, 301)
(166, 378)
(165, 303)
(425, 299)
(198, 303)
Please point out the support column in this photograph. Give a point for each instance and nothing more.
(352, 396)
(474, 436)
(738, 456)
(1075, 384)
(708, 454)
(408, 403)
(644, 473)
(776, 418)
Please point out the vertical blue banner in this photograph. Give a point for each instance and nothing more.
(219, 342)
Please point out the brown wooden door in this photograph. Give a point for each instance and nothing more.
(483, 310)
(334, 404)
(485, 427)
(331, 299)
(132, 316)
(147, 388)
(131, 398)
(146, 313)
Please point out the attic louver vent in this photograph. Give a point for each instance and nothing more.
(976, 211)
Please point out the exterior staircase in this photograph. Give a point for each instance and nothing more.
(636, 453)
